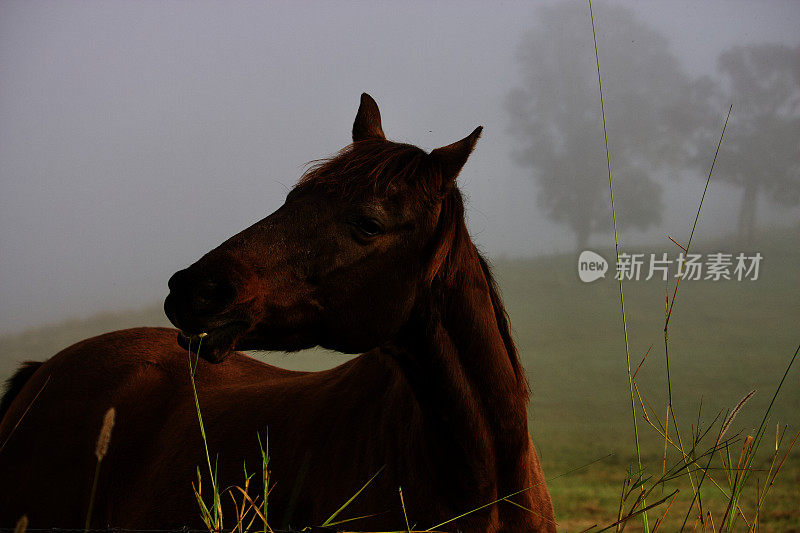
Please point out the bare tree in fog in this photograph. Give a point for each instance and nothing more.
(762, 144)
(652, 109)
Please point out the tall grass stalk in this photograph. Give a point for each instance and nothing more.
(330, 521)
(668, 315)
(773, 471)
(616, 249)
(403, 505)
(212, 518)
(722, 430)
(737, 489)
(264, 450)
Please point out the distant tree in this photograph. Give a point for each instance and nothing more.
(653, 110)
(761, 151)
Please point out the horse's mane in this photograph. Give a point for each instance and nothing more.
(454, 255)
(373, 166)
(370, 166)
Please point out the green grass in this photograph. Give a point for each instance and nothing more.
(726, 339)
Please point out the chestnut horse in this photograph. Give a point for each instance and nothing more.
(369, 253)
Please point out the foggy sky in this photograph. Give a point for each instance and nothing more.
(136, 136)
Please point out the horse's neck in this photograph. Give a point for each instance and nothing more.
(468, 382)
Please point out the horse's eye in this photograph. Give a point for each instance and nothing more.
(369, 227)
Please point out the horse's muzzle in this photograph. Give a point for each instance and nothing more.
(214, 346)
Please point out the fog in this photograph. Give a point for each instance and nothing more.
(136, 136)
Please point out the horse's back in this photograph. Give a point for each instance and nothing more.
(49, 433)
(103, 368)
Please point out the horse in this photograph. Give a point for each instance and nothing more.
(369, 254)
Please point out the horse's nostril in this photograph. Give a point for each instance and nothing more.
(211, 294)
(205, 292)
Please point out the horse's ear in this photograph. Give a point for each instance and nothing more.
(368, 120)
(451, 158)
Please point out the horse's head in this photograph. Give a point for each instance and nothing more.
(341, 264)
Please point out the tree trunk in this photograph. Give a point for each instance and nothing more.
(582, 232)
(747, 214)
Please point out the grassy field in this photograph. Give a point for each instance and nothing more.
(726, 339)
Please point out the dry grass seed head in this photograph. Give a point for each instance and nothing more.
(105, 434)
